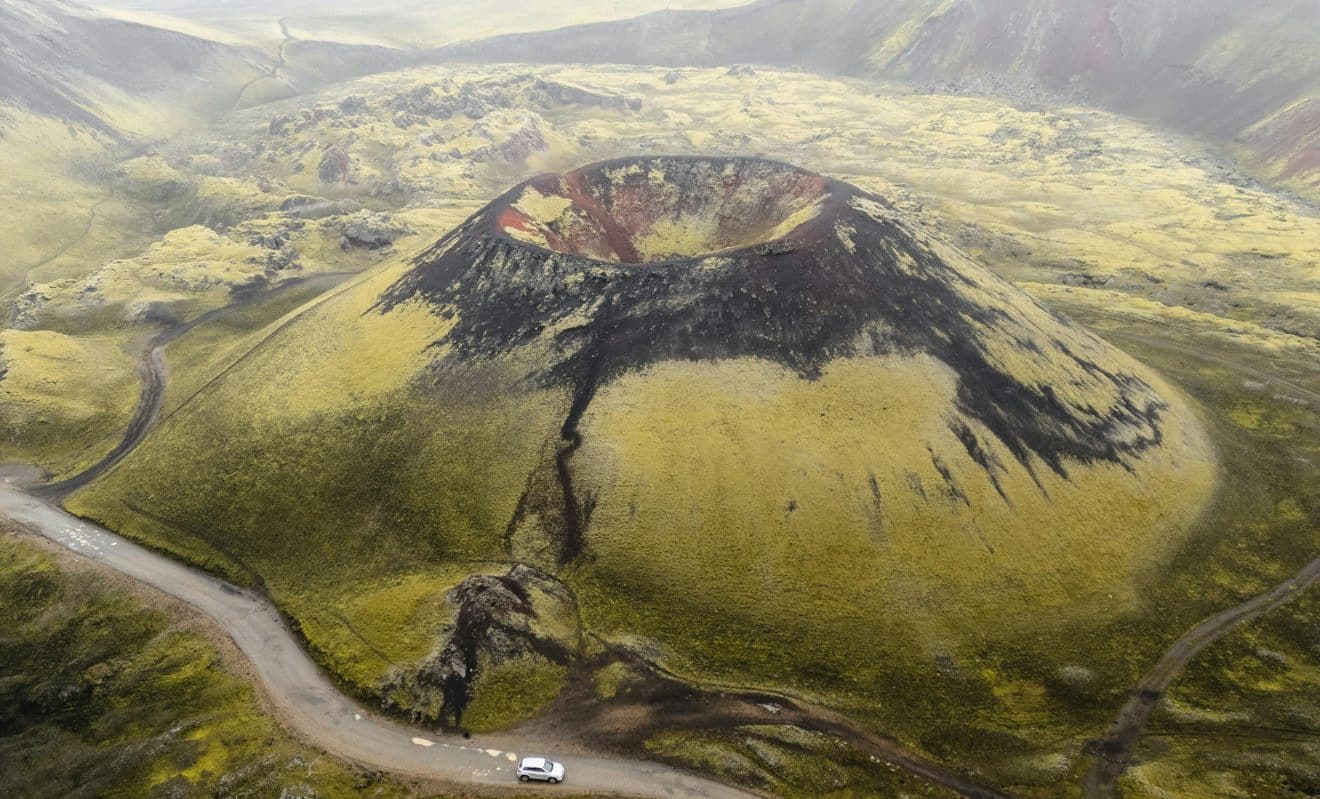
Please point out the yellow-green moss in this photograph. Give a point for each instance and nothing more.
(101, 695)
(64, 400)
(512, 691)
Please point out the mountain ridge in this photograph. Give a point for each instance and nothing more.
(1219, 70)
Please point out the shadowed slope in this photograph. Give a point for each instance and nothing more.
(62, 60)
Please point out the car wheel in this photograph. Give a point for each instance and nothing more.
(522, 778)
(552, 780)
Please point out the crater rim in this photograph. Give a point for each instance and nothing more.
(793, 208)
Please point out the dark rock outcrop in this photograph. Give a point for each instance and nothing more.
(498, 618)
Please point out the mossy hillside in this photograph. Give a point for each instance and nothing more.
(188, 271)
(382, 624)
(208, 349)
(64, 401)
(511, 692)
(59, 214)
(800, 520)
(413, 506)
(1007, 687)
(184, 274)
(378, 454)
(192, 195)
(105, 696)
(1257, 390)
(1026, 706)
(415, 511)
(66, 396)
(373, 467)
(789, 762)
(1243, 719)
(404, 25)
(1036, 194)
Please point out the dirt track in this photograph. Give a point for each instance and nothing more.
(314, 707)
(321, 714)
(167, 575)
(153, 370)
(1112, 753)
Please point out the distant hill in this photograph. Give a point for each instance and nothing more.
(1226, 70)
(61, 60)
(396, 23)
(67, 61)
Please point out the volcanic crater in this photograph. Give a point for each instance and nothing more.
(706, 394)
(665, 210)
(636, 261)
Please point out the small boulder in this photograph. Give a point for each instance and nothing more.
(369, 230)
(336, 166)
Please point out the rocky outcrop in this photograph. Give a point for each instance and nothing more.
(477, 99)
(336, 166)
(298, 121)
(369, 230)
(497, 618)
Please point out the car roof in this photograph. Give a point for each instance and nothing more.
(535, 762)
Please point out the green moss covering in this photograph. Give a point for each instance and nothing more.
(1244, 719)
(789, 762)
(64, 400)
(101, 696)
(356, 532)
(512, 691)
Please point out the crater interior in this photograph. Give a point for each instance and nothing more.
(664, 209)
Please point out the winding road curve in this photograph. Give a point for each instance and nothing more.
(313, 706)
(274, 69)
(306, 698)
(326, 718)
(311, 703)
(153, 384)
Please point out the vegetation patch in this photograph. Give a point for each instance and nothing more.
(102, 696)
(339, 468)
(510, 692)
(64, 400)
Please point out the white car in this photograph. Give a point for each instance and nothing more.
(538, 768)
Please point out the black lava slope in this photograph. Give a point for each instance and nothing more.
(850, 279)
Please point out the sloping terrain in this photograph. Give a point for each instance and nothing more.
(690, 409)
(76, 90)
(1081, 199)
(79, 91)
(125, 78)
(1229, 71)
(399, 594)
(110, 691)
(488, 493)
(61, 60)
